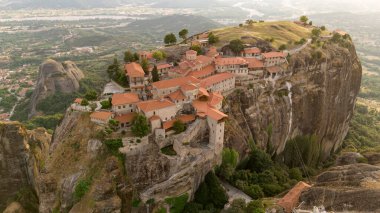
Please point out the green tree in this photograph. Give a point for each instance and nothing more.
(84, 102)
(259, 161)
(211, 192)
(91, 95)
(106, 104)
(282, 47)
(128, 57)
(249, 22)
(155, 75)
(159, 55)
(236, 46)
(323, 28)
(170, 39)
(316, 32)
(113, 124)
(136, 57)
(197, 48)
(255, 206)
(145, 66)
(212, 39)
(183, 33)
(295, 173)
(304, 19)
(140, 126)
(179, 126)
(116, 73)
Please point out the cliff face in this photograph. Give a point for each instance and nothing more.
(22, 155)
(54, 77)
(316, 98)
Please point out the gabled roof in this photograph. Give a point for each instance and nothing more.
(274, 55)
(78, 100)
(215, 114)
(163, 66)
(214, 79)
(148, 106)
(230, 61)
(291, 199)
(206, 71)
(101, 115)
(184, 118)
(215, 99)
(126, 118)
(203, 110)
(203, 92)
(125, 98)
(274, 69)
(252, 50)
(188, 87)
(177, 96)
(175, 82)
(134, 70)
(254, 63)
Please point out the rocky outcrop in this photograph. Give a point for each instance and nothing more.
(54, 77)
(349, 188)
(22, 157)
(316, 97)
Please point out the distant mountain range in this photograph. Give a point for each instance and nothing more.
(254, 7)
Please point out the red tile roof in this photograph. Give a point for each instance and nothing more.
(175, 82)
(206, 71)
(230, 61)
(254, 63)
(274, 69)
(291, 199)
(215, 114)
(101, 115)
(252, 50)
(215, 99)
(274, 55)
(164, 66)
(154, 118)
(177, 96)
(125, 98)
(78, 100)
(184, 118)
(203, 110)
(189, 87)
(134, 70)
(203, 92)
(148, 106)
(126, 118)
(214, 79)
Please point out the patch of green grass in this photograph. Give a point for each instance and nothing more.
(169, 151)
(82, 188)
(177, 204)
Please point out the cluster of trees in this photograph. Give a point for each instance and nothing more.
(364, 133)
(170, 38)
(212, 38)
(240, 206)
(116, 73)
(306, 20)
(140, 126)
(236, 46)
(131, 57)
(258, 175)
(210, 196)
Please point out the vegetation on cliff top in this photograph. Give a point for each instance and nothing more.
(282, 32)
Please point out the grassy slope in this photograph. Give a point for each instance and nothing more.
(281, 31)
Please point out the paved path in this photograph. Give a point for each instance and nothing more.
(298, 49)
(234, 193)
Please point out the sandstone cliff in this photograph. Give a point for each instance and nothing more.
(349, 188)
(316, 98)
(22, 155)
(54, 77)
